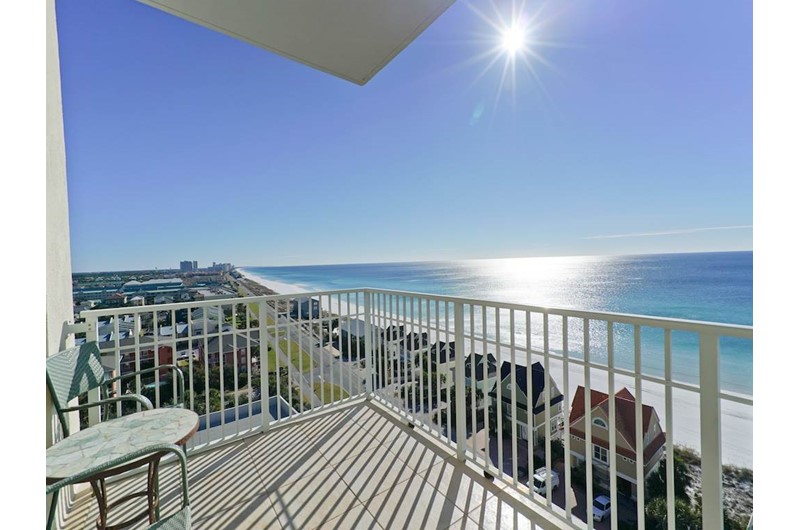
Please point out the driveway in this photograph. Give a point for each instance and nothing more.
(577, 496)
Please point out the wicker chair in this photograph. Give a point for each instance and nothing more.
(180, 520)
(75, 371)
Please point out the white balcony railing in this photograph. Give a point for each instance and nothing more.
(254, 362)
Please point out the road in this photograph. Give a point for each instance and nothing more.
(331, 368)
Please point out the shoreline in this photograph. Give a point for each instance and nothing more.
(278, 287)
(737, 419)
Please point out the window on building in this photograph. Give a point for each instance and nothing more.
(555, 425)
(600, 423)
(600, 454)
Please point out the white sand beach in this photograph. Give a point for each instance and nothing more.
(278, 287)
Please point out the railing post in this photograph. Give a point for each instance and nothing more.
(263, 346)
(93, 395)
(368, 343)
(710, 431)
(461, 397)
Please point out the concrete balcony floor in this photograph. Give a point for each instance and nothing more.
(352, 467)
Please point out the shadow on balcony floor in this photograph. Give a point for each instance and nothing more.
(355, 467)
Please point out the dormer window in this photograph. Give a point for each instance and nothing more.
(600, 423)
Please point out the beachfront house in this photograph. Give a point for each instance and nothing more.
(444, 355)
(304, 308)
(410, 348)
(484, 368)
(352, 337)
(514, 387)
(625, 419)
(414, 343)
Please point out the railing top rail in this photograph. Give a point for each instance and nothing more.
(716, 328)
(112, 311)
(149, 308)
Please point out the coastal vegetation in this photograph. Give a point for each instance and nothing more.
(737, 491)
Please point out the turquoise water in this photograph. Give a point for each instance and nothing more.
(715, 287)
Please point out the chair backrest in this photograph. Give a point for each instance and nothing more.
(73, 372)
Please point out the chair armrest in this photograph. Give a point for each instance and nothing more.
(174, 368)
(135, 397)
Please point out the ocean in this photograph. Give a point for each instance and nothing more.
(715, 287)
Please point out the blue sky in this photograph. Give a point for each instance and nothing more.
(635, 137)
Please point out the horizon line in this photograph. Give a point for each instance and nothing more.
(443, 260)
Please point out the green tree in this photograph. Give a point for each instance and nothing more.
(214, 402)
(686, 517)
(656, 485)
(468, 400)
(578, 477)
(556, 448)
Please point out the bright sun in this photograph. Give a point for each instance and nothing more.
(513, 39)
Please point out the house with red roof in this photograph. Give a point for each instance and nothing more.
(652, 436)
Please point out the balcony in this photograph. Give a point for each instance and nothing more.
(369, 417)
(357, 466)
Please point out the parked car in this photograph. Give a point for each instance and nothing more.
(539, 483)
(601, 508)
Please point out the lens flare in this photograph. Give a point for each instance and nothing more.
(513, 39)
(516, 37)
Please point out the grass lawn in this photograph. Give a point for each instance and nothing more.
(254, 313)
(292, 349)
(323, 391)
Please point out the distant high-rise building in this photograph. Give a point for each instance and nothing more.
(194, 265)
(187, 266)
(221, 267)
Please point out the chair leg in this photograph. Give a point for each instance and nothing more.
(153, 502)
(51, 515)
(99, 488)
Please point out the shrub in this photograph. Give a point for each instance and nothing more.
(578, 477)
(656, 485)
(556, 450)
(686, 517)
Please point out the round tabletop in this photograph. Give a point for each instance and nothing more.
(111, 439)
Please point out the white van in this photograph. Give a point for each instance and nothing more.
(539, 482)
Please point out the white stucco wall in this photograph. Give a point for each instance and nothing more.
(58, 266)
(59, 269)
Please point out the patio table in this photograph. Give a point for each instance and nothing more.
(111, 439)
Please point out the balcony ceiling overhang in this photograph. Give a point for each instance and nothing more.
(351, 39)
